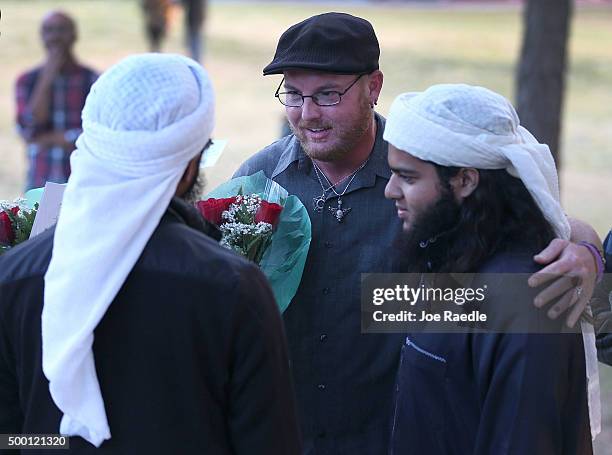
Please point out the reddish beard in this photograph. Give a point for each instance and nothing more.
(345, 137)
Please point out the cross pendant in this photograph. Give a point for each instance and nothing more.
(339, 212)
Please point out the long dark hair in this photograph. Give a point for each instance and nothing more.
(499, 214)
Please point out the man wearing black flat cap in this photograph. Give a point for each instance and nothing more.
(336, 163)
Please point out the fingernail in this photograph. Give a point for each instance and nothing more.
(537, 302)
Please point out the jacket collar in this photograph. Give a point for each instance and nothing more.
(189, 215)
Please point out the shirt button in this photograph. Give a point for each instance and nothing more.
(321, 386)
(326, 291)
(328, 244)
(323, 337)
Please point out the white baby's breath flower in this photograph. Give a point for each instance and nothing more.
(7, 205)
(239, 230)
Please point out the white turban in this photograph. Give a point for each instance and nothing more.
(464, 126)
(143, 121)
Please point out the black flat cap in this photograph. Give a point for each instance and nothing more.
(330, 42)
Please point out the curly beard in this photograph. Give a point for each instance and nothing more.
(194, 193)
(432, 223)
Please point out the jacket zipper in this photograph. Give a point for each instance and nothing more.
(396, 402)
(409, 342)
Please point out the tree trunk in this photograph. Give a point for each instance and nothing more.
(541, 71)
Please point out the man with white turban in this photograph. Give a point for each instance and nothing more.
(154, 338)
(477, 193)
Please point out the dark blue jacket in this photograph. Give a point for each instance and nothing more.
(492, 393)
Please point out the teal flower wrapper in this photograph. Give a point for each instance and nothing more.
(284, 260)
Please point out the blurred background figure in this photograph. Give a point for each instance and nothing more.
(156, 21)
(195, 15)
(50, 98)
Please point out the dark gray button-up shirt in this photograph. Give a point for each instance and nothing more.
(344, 379)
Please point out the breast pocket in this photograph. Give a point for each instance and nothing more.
(420, 400)
(425, 372)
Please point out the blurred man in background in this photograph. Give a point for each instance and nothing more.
(50, 98)
(195, 15)
(156, 22)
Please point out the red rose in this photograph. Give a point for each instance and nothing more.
(7, 235)
(268, 212)
(212, 209)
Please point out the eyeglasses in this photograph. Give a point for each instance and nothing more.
(324, 98)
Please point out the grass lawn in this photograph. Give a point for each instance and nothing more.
(419, 46)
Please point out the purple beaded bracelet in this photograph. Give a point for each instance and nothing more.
(598, 258)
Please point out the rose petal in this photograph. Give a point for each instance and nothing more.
(268, 212)
(212, 208)
(7, 235)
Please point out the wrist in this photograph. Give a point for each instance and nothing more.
(598, 257)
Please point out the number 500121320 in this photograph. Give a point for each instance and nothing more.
(33, 441)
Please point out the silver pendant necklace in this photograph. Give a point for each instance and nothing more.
(319, 202)
(339, 212)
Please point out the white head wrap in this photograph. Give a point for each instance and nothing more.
(143, 121)
(465, 126)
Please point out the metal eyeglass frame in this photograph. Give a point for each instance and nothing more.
(314, 95)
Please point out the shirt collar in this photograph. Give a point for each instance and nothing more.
(377, 166)
(292, 152)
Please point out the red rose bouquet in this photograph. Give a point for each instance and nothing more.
(261, 221)
(246, 222)
(16, 223)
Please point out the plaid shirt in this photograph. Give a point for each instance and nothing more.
(68, 95)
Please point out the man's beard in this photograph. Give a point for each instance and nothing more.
(194, 193)
(430, 226)
(346, 136)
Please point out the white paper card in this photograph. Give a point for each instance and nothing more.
(49, 208)
(213, 152)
